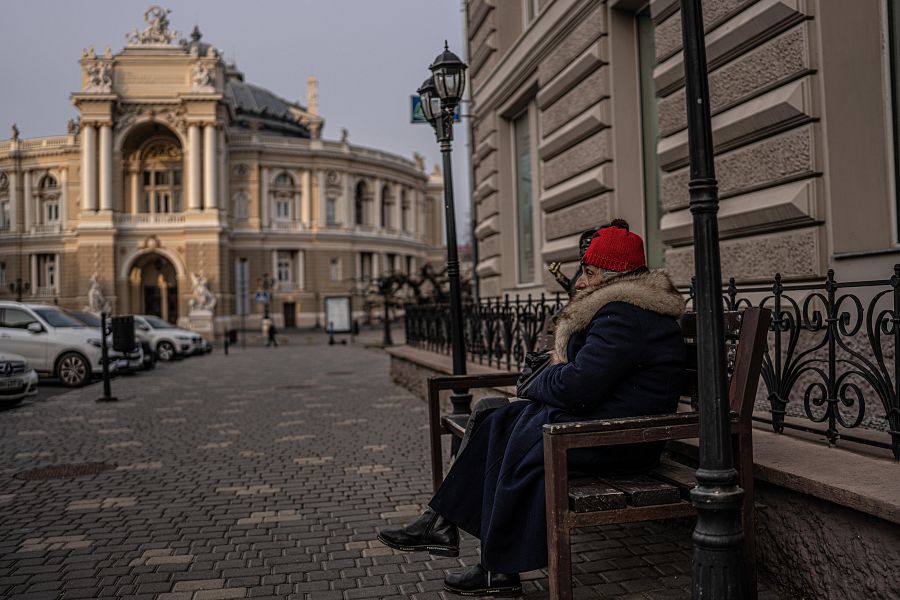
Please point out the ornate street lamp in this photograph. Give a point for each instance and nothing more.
(18, 287)
(440, 95)
(717, 536)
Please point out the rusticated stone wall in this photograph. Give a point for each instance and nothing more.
(815, 549)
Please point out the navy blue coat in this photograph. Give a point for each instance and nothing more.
(625, 361)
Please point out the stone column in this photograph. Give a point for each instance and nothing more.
(210, 177)
(106, 174)
(13, 202)
(377, 202)
(194, 181)
(34, 274)
(63, 199)
(322, 199)
(88, 167)
(402, 193)
(163, 297)
(301, 270)
(264, 197)
(349, 202)
(134, 176)
(306, 199)
(28, 201)
(57, 268)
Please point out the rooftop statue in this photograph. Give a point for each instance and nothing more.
(157, 31)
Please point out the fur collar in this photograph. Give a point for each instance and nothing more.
(650, 290)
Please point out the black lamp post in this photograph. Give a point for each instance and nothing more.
(440, 95)
(266, 283)
(717, 497)
(18, 287)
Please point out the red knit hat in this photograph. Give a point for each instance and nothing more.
(615, 248)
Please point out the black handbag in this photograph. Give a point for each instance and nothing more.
(535, 363)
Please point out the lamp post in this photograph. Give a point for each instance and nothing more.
(440, 95)
(18, 287)
(717, 497)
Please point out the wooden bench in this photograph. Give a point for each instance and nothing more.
(662, 493)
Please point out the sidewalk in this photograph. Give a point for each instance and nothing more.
(264, 474)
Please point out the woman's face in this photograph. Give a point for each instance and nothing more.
(590, 275)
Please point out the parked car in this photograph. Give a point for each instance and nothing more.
(139, 358)
(169, 342)
(17, 379)
(52, 342)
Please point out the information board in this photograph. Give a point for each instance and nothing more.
(337, 314)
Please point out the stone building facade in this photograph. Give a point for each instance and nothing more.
(178, 168)
(580, 117)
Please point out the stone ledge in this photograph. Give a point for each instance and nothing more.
(862, 482)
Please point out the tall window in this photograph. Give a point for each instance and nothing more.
(285, 268)
(529, 10)
(47, 273)
(522, 140)
(649, 137)
(2, 274)
(283, 190)
(359, 202)
(331, 211)
(365, 265)
(404, 211)
(241, 285)
(334, 269)
(48, 199)
(4, 202)
(161, 178)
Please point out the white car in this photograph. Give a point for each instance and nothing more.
(169, 342)
(51, 341)
(17, 378)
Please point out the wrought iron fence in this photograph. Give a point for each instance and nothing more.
(830, 365)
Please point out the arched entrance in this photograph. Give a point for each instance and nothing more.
(154, 287)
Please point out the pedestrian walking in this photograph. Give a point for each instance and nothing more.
(271, 339)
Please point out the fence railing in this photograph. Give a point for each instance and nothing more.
(830, 366)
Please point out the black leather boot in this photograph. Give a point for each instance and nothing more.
(430, 532)
(479, 582)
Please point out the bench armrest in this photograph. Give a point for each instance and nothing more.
(631, 430)
(462, 382)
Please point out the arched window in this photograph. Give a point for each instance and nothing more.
(283, 196)
(161, 163)
(359, 203)
(48, 199)
(241, 206)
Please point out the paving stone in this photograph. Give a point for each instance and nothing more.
(230, 484)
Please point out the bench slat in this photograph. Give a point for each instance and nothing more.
(645, 491)
(675, 473)
(590, 495)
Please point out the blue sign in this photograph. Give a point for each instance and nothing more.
(262, 297)
(417, 116)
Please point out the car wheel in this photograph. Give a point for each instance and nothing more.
(73, 369)
(165, 351)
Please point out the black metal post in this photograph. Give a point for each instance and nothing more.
(461, 399)
(104, 352)
(717, 535)
(386, 340)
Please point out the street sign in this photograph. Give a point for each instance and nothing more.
(416, 114)
(262, 297)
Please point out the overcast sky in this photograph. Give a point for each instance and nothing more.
(369, 56)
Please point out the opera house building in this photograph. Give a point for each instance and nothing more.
(177, 169)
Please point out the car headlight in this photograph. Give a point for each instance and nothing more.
(95, 342)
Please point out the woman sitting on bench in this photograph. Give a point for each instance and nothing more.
(618, 352)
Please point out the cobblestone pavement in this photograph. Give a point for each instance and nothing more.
(265, 473)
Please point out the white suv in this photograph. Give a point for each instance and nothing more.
(170, 342)
(51, 341)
